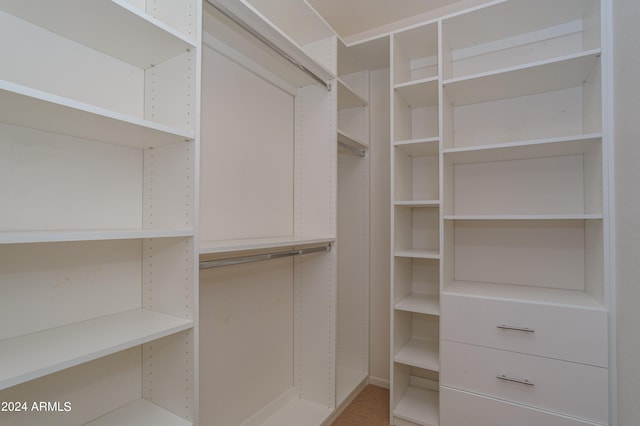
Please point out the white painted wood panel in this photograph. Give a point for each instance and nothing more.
(248, 166)
(567, 388)
(247, 338)
(464, 408)
(561, 332)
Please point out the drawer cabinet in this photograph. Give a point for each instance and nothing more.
(464, 408)
(567, 333)
(572, 389)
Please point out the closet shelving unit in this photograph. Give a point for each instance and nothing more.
(415, 216)
(352, 339)
(98, 144)
(268, 328)
(524, 206)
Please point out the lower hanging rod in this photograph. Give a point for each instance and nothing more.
(357, 151)
(260, 257)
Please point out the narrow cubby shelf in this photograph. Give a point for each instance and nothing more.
(351, 141)
(140, 412)
(417, 203)
(140, 40)
(420, 147)
(543, 76)
(418, 253)
(28, 107)
(34, 355)
(420, 353)
(349, 98)
(419, 93)
(420, 303)
(47, 236)
(418, 405)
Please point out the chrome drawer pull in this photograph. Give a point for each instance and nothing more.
(511, 379)
(510, 328)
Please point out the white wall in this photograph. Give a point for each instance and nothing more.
(626, 16)
(380, 228)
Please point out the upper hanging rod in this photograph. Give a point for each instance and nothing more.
(226, 12)
(259, 257)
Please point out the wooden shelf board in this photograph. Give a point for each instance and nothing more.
(299, 412)
(420, 303)
(419, 406)
(419, 93)
(351, 141)
(537, 77)
(141, 413)
(348, 98)
(420, 353)
(577, 216)
(113, 27)
(27, 107)
(417, 203)
(423, 147)
(565, 145)
(37, 354)
(53, 236)
(521, 293)
(233, 246)
(418, 253)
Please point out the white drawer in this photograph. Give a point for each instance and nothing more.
(459, 408)
(567, 333)
(572, 389)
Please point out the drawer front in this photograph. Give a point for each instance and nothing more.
(460, 408)
(570, 334)
(572, 389)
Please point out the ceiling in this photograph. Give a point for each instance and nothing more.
(349, 18)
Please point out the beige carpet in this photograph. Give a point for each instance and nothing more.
(369, 408)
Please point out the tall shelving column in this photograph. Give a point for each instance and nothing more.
(352, 343)
(98, 149)
(415, 224)
(525, 215)
(269, 168)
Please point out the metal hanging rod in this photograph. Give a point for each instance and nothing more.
(226, 12)
(260, 257)
(357, 151)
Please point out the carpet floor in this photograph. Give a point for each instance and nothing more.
(369, 408)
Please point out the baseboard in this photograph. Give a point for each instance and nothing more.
(376, 381)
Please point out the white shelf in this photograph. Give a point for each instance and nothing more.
(139, 40)
(537, 77)
(89, 235)
(523, 293)
(27, 107)
(420, 303)
(418, 253)
(37, 354)
(419, 406)
(299, 412)
(423, 147)
(577, 216)
(417, 203)
(420, 353)
(348, 98)
(419, 93)
(351, 141)
(231, 246)
(140, 413)
(549, 147)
